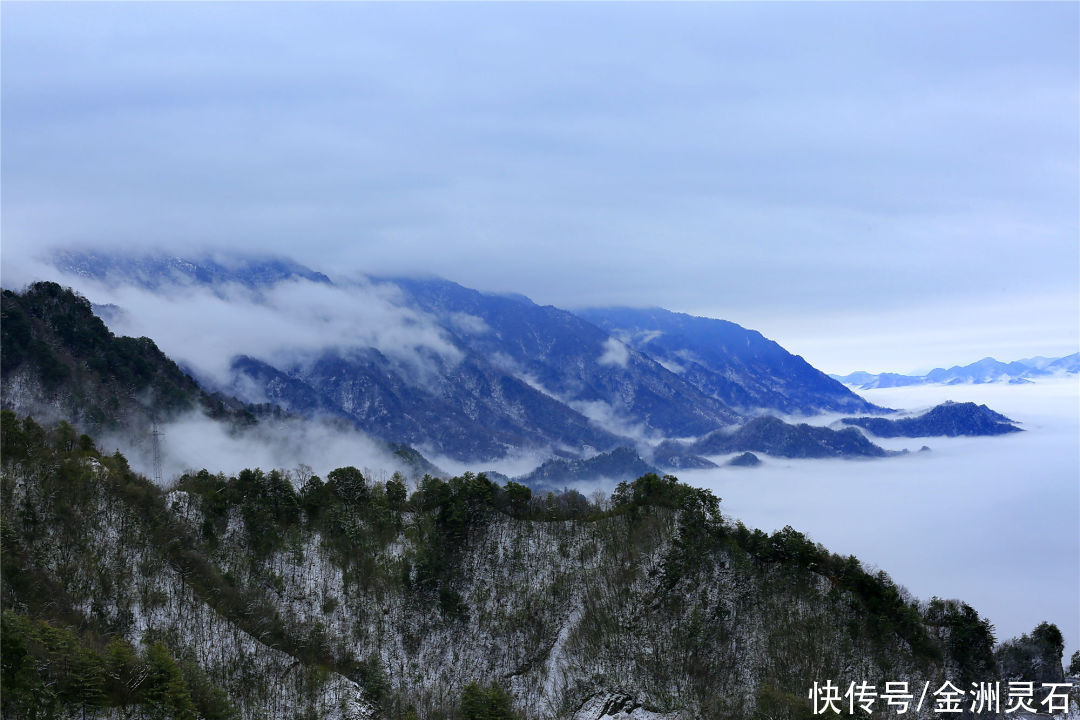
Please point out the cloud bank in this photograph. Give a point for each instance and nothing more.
(776, 165)
(194, 442)
(204, 328)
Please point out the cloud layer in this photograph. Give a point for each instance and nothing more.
(195, 442)
(776, 165)
(989, 520)
(204, 327)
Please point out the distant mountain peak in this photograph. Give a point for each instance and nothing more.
(987, 370)
(949, 419)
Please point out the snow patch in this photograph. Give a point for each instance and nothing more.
(610, 706)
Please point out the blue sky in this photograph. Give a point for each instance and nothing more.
(876, 186)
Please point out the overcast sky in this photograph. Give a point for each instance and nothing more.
(875, 186)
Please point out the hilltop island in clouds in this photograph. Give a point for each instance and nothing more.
(493, 361)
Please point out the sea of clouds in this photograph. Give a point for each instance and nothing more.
(993, 521)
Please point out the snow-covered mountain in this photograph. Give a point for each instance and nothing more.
(485, 374)
(741, 367)
(987, 370)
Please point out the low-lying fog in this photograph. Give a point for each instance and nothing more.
(194, 442)
(993, 521)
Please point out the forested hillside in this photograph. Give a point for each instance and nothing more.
(281, 594)
(58, 357)
(269, 595)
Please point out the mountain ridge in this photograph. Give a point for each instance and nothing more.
(258, 595)
(741, 366)
(521, 375)
(950, 419)
(60, 361)
(987, 370)
(503, 375)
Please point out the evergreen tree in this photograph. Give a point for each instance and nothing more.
(490, 703)
(164, 690)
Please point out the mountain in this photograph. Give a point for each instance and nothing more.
(469, 410)
(59, 360)
(515, 375)
(747, 459)
(1069, 364)
(673, 455)
(866, 381)
(773, 436)
(987, 370)
(619, 464)
(480, 376)
(950, 419)
(155, 271)
(983, 371)
(243, 596)
(740, 367)
(569, 358)
(273, 386)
